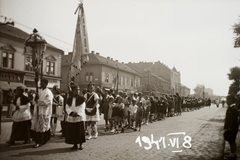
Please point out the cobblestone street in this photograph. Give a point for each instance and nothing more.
(193, 135)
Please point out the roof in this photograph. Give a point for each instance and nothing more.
(97, 59)
(141, 67)
(160, 78)
(12, 31)
(184, 86)
(174, 69)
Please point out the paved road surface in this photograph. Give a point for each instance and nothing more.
(193, 135)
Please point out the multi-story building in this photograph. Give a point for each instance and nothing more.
(154, 76)
(175, 81)
(152, 82)
(15, 59)
(185, 91)
(209, 91)
(102, 72)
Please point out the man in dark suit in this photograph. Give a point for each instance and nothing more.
(231, 125)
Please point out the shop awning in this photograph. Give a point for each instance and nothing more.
(11, 85)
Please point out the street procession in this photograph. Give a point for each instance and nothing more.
(35, 118)
(62, 101)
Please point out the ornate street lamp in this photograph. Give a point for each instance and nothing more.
(38, 45)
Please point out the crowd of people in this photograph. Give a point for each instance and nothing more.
(35, 116)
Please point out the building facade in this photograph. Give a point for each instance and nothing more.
(175, 81)
(154, 76)
(16, 61)
(103, 72)
(209, 91)
(185, 91)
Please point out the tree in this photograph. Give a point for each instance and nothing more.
(199, 90)
(234, 73)
(235, 76)
(236, 30)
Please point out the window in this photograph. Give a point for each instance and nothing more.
(91, 77)
(50, 64)
(87, 77)
(113, 79)
(106, 77)
(28, 63)
(119, 80)
(131, 81)
(50, 67)
(7, 59)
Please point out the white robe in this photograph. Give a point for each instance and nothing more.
(42, 111)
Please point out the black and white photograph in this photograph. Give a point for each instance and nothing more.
(119, 79)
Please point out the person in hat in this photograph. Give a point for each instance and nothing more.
(231, 125)
(21, 118)
(42, 115)
(75, 109)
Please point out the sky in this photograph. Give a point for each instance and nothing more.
(194, 36)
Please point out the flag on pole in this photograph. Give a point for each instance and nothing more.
(80, 46)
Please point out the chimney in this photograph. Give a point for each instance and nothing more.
(111, 58)
(98, 53)
(92, 52)
(108, 57)
(116, 60)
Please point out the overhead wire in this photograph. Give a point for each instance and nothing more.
(44, 34)
(39, 32)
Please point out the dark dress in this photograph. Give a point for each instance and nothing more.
(104, 109)
(74, 131)
(21, 129)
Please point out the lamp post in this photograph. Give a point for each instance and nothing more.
(38, 45)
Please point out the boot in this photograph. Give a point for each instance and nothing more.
(89, 132)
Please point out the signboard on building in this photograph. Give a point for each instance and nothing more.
(11, 77)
